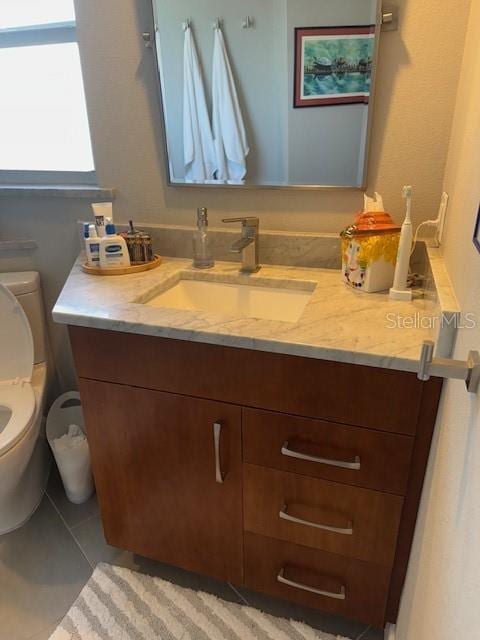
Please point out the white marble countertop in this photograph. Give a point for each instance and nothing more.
(338, 323)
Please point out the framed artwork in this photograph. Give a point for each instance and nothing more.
(333, 65)
(476, 235)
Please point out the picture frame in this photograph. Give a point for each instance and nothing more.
(333, 65)
(476, 234)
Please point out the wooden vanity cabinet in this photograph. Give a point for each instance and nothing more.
(297, 477)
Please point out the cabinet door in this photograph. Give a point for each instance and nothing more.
(168, 489)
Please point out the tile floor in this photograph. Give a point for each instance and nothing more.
(44, 565)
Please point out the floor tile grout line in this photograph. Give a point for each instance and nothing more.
(77, 524)
(71, 534)
(365, 631)
(244, 600)
(92, 565)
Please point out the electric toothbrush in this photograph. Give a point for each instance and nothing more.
(400, 290)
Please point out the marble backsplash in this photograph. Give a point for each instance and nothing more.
(302, 249)
(278, 248)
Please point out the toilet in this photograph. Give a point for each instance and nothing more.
(24, 456)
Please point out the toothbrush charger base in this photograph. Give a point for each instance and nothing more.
(404, 295)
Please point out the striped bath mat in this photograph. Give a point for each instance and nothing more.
(121, 604)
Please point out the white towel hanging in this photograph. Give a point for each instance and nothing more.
(199, 150)
(230, 137)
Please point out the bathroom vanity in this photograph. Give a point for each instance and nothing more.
(242, 450)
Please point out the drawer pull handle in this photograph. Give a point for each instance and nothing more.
(286, 451)
(345, 531)
(217, 432)
(341, 595)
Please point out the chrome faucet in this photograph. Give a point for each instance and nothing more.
(247, 245)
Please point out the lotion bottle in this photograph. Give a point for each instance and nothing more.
(113, 249)
(92, 246)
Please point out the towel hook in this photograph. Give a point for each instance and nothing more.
(187, 24)
(248, 23)
(217, 24)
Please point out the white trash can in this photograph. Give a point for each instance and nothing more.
(67, 439)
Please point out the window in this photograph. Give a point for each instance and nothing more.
(44, 133)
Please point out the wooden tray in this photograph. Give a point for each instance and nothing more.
(122, 271)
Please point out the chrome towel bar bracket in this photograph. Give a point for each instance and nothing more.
(467, 370)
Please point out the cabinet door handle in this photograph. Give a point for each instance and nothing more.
(341, 595)
(217, 431)
(346, 531)
(286, 451)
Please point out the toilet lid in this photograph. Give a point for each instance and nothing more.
(16, 342)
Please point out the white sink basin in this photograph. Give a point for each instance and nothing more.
(233, 299)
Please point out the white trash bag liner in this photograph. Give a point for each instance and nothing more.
(67, 439)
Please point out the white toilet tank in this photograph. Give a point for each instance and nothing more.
(25, 286)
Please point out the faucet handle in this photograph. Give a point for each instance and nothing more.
(248, 221)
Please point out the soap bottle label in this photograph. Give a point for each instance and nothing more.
(94, 249)
(114, 253)
(114, 249)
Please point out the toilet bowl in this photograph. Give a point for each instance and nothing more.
(24, 457)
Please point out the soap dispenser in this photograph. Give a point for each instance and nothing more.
(202, 251)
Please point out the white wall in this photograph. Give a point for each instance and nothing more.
(442, 595)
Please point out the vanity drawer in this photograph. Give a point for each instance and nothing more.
(380, 460)
(349, 521)
(362, 586)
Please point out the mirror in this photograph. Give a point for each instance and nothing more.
(271, 93)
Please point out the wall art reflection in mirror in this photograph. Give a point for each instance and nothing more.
(333, 65)
(231, 96)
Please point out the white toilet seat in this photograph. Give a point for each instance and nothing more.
(16, 367)
(20, 400)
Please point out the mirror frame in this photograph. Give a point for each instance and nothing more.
(150, 41)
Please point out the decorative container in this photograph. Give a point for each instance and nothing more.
(369, 252)
(139, 245)
(123, 271)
